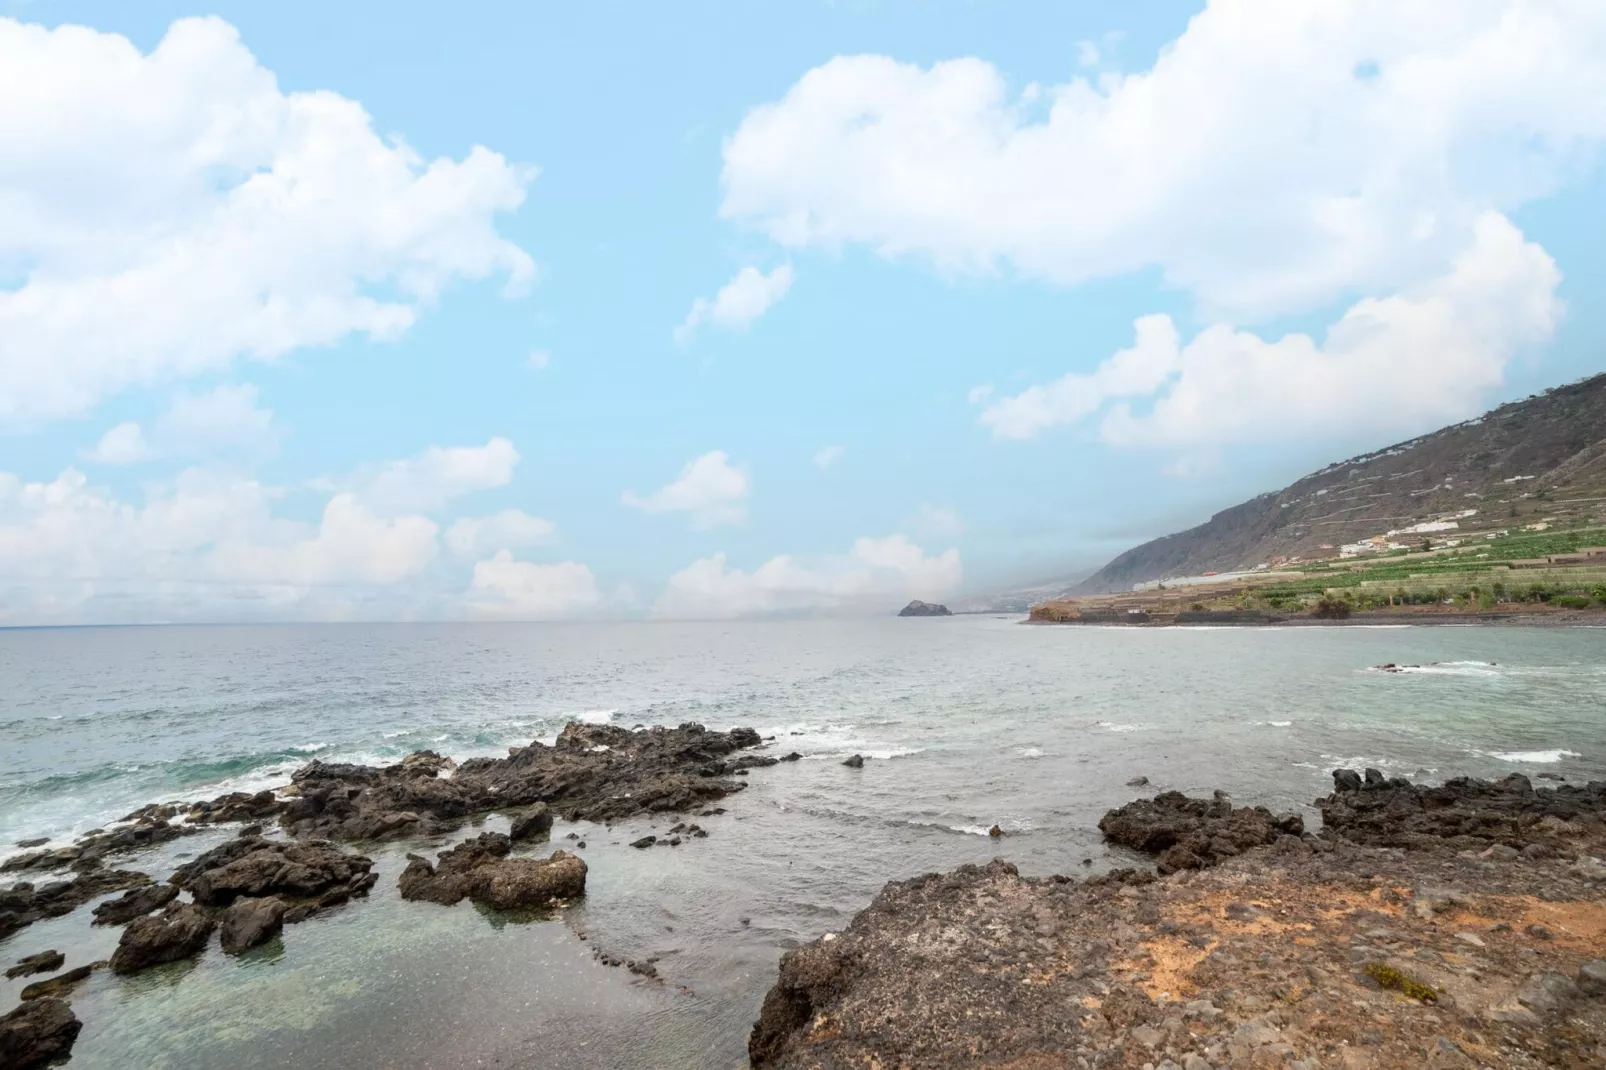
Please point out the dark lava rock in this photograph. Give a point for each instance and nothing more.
(249, 922)
(94, 846)
(319, 872)
(134, 903)
(43, 962)
(995, 832)
(61, 985)
(855, 762)
(1138, 782)
(178, 932)
(793, 757)
(235, 806)
(479, 869)
(40, 842)
(534, 824)
(644, 842)
(1462, 813)
(592, 772)
(1194, 833)
(37, 1033)
(23, 904)
(917, 608)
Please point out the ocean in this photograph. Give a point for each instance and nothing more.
(965, 722)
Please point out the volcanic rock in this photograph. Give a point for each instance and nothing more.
(23, 904)
(479, 869)
(855, 762)
(1194, 833)
(178, 932)
(317, 872)
(249, 922)
(43, 962)
(134, 903)
(37, 1033)
(61, 985)
(917, 608)
(1463, 813)
(534, 824)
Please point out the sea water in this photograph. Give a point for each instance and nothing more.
(965, 723)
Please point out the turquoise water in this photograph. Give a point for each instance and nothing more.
(967, 721)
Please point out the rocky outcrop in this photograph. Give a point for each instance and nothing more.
(1308, 952)
(315, 875)
(43, 962)
(592, 772)
(1463, 813)
(480, 869)
(135, 903)
(249, 922)
(534, 824)
(1194, 833)
(37, 1033)
(61, 985)
(178, 932)
(146, 830)
(23, 904)
(917, 608)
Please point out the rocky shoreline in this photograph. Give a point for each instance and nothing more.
(1462, 925)
(247, 889)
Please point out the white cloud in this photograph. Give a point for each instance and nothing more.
(505, 587)
(826, 456)
(205, 546)
(1398, 364)
(428, 481)
(709, 488)
(171, 212)
(935, 521)
(123, 444)
(978, 394)
(873, 576)
(739, 302)
(540, 358)
(508, 530)
(1276, 158)
(223, 419)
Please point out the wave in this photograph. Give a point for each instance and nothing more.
(1110, 726)
(1537, 757)
(1030, 752)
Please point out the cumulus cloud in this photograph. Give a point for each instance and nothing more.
(207, 545)
(739, 302)
(168, 213)
(1395, 364)
(826, 456)
(871, 576)
(1277, 157)
(505, 587)
(224, 419)
(508, 530)
(710, 489)
(436, 476)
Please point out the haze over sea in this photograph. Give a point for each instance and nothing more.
(965, 721)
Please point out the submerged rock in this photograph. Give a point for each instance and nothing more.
(855, 762)
(61, 985)
(1194, 833)
(479, 869)
(23, 904)
(134, 903)
(249, 922)
(43, 962)
(178, 932)
(37, 1033)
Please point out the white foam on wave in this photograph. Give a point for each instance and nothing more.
(1537, 757)
(1110, 726)
(596, 716)
(1274, 724)
(1030, 752)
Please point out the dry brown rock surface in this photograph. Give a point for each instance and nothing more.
(1308, 952)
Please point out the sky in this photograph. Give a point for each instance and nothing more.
(394, 311)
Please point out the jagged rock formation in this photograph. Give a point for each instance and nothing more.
(480, 869)
(917, 608)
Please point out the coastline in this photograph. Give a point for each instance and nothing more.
(1517, 618)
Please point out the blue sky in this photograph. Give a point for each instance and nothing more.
(1006, 289)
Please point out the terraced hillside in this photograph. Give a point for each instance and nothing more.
(1540, 460)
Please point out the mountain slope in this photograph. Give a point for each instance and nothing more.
(1538, 458)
